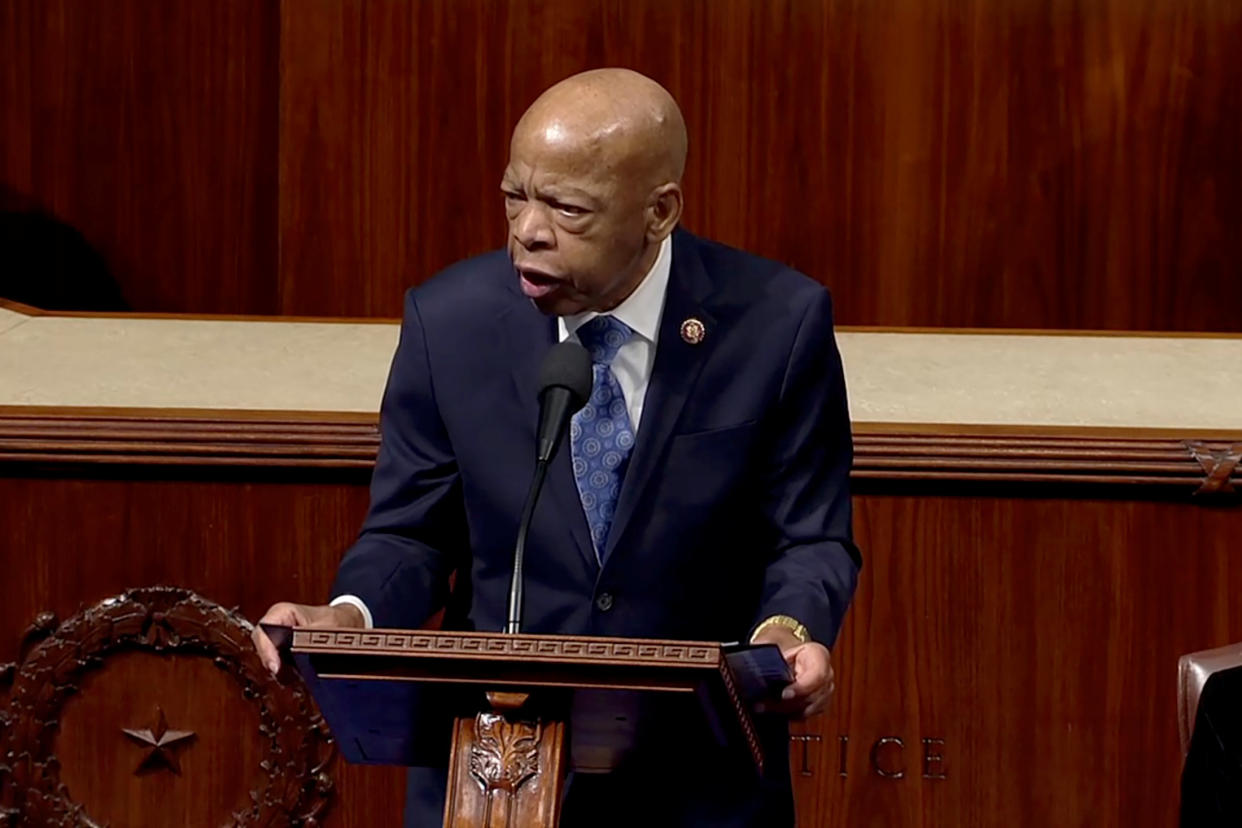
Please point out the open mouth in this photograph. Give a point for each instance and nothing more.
(536, 284)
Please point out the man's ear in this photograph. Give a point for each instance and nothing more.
(663, 211)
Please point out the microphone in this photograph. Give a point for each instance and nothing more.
(564, 386)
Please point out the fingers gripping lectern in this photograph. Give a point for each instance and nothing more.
(510, 699)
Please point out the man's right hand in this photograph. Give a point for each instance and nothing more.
(300, 615)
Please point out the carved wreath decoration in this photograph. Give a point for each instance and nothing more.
(54, 658)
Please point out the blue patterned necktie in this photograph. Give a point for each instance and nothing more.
(600, 434)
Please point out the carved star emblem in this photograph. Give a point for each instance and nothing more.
(163, 745)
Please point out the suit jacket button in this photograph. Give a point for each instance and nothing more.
(604, 601)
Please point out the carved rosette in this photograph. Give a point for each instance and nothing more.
(295, 787)
(505, 753)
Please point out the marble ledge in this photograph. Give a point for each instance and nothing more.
(1191, 383)
(11, 319)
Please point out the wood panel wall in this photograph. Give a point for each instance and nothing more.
(238, 540)
(1030, 163)
(150, 127)
(1010, 658)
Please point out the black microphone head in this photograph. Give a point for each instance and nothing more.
(568, 366)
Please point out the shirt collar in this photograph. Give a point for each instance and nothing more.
(641, 310)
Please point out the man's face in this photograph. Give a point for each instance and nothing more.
(577, 223)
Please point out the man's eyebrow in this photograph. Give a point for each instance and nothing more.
(558, 191)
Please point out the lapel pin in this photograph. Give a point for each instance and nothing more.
(692, 331)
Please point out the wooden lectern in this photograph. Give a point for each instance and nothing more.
(510, 754)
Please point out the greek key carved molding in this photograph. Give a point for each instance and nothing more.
(535, 649)
(502, 646)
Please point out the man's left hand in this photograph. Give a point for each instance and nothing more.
(814, 681)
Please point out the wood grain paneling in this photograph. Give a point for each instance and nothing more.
(150, 127)
(1026, 640)
(99, 764)
(1037, 640)
(68, 543)
(1025, 164)
(1030, 164)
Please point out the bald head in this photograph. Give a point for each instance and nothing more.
(593, 189)
(622, 117)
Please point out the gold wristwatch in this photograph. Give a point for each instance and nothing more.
(788, 622)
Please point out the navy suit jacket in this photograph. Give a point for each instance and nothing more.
(735, 505)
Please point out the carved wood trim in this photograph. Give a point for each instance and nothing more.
(1160, 460)
(743, 713)
(161, 439)
(508, 772)
(54, 658)
(882, 452)
(525, 661)
(505, 753)
(1219, 464)
(504, 647)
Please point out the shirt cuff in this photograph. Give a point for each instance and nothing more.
(355, 601)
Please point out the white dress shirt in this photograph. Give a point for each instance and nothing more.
(641, 311)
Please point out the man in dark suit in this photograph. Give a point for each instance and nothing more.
(703, 490)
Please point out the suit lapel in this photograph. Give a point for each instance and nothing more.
(676, 368)
(527, 336)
